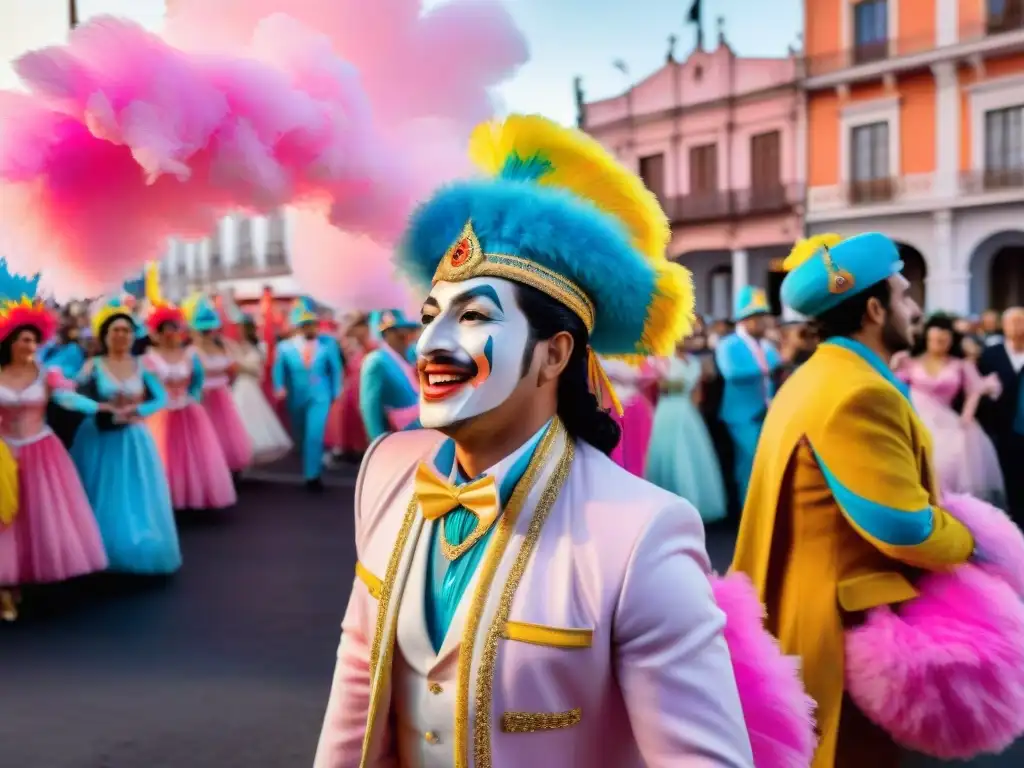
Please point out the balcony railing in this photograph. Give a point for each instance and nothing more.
(1010, 20)
(721, 205)
(869, 191)
(992, 180)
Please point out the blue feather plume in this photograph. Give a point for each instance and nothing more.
(15, 287)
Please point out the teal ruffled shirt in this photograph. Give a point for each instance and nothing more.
(447, 581)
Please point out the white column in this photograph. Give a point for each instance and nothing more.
(947, 129)
(947, 17)
(740, 270)
(800, 174)
(948, 286)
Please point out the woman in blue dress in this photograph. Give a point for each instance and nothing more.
(681, 457)
(117, 456)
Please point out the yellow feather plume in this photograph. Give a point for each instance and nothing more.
(191, 304)
(580, 165)
(805, 249)
(153, 292)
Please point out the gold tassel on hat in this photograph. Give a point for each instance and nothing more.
(600, 384)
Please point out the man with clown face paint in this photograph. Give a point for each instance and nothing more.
(519, 598)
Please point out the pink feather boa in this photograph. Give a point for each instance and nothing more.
(943, 674)
(776, 708)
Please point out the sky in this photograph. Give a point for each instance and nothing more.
(566, 37)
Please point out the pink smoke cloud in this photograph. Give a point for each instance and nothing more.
(127, 138)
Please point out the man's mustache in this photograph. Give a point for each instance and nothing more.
(453, 359)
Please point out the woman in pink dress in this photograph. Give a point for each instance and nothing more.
(197, 471)
(637, 418)
(218, 367)
(53, 534)
(940, 380)
(358, 343)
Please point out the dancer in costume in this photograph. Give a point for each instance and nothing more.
(747, 364)
(197, 470)
(307, 377)
(65, 351)
(218, 368)
(448, 655)
(349, 440)
(637, 416)
(388, 385)
(116, 455)
(47, 529)
(682, 458)
(842, 511)
(270, 441)
(965, 459)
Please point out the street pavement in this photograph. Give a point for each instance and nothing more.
(225, 665)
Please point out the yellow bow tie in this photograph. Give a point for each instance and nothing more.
(437, 497)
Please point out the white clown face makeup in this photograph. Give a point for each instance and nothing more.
(470, 354)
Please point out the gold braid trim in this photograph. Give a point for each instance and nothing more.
(488, 659)
(488, 569)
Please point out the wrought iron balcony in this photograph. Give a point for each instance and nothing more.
(722, 205)
(869, 191)
(992, 180)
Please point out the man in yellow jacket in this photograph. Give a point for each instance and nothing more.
(842, 512)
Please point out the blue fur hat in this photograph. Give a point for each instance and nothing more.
(558, 214)
(200, 313)
(750, 301)
(825, 270)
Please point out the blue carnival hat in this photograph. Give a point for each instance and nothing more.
(303, 311)
(825, 270)
(389, 319)
(750, 301)
(558, 213)
(200, 313)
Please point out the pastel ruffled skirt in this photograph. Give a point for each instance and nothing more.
(269, 440)
(229, 427)
(682, 458)
(124, 478)
(965, 458)
(197, 472)
(636, 423)
(53, 535)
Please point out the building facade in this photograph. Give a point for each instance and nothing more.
(243, 255)
(719, 139)
(915, 126)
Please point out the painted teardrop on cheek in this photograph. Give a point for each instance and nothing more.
(483, 364)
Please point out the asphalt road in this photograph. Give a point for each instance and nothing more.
(226, 665)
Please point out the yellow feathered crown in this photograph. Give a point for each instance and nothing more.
(107, 311)
(575, 162)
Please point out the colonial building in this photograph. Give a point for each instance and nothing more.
(242, 255)
(915, 113)
(719, 139)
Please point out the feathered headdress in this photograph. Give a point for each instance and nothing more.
(200, 313)
(19, 306)
(560, 215)
(106, 311)
(160, 310)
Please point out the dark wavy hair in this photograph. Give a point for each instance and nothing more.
(578, 408)
(847, 318)
(943, 322)
(7, 345)
(101, 338)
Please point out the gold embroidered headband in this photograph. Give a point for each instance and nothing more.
(466, 259)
